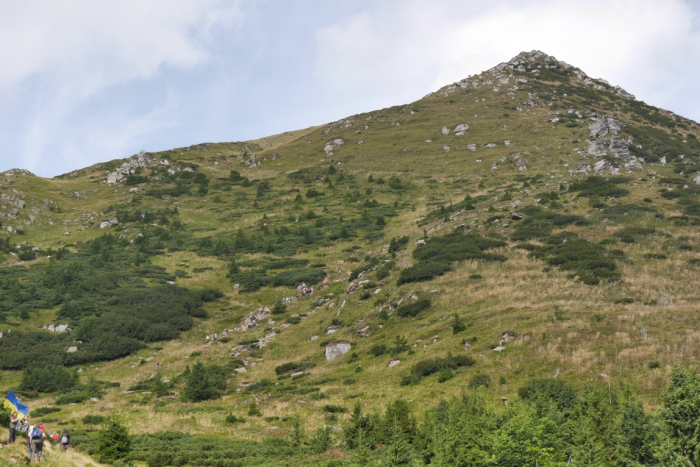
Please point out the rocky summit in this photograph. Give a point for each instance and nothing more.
(509, 262)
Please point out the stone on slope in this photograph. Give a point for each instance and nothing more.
(602, 166)
(461, 129)
(337, 350)
(604, 125)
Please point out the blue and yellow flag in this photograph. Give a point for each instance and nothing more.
(13, 403)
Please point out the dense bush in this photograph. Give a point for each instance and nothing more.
(293, 367)
(204, 382)
(588, 260)
(424, 368)
(413, 308)
(49, 378)
(435, 257)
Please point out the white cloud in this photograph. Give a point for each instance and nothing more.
(98, 44)
(61, 58)
(645, 46)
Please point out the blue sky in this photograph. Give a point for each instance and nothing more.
(83, 82)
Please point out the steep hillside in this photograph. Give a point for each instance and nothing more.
(528, 222)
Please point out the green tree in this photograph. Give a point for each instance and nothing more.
(681, 412)
(113, 442)
(203, 383)
(458, 325)
(359, 433)
(399, 450)
(528, 441)
(322, 440)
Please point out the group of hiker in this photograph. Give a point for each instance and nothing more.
(36, 435)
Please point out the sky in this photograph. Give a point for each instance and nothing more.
(83, 82)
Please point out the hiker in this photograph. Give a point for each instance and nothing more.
(253, 321)
(14, 421)
(36, 439)
(65, 440)
(29, 440)
(157, 366)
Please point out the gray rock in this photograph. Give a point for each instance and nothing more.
(461, 129)
(471, 147)
(314, 338)
(332, 145)
(337, 350)
(393, 362)
(602, 166)
(241, 369)
(134, 190)
(72, 349)
(490, 145)
(105, 224)
(597, 148)
(298, 373)
(446, 148)
(236, 286)
(619, 148)
(445, 130)
(604, 125)
(696, 180)
(634, 164)
(516, 217)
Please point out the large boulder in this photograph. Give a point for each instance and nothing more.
(332, 145)
(604, 125)
(336, 350)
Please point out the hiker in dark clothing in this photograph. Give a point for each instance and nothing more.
(65, 440)
(14, 422)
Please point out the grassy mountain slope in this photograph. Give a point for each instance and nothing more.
(592, 278)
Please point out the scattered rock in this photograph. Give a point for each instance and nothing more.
(393, 362)
(461, 129)
(471, 147)
(72, 349)
(446, 148)
(313, 338)
(516, 217)
(337, 350)
(332, 145)
(241, 370)
(445, 130)
(499, 348)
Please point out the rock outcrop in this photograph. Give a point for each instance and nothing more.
(128, 168)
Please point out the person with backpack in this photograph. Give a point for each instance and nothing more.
(14, 422)
(37, 436)
(65, 440)
(29, 440)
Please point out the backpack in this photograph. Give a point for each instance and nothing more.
(64, 440)
(36, 433)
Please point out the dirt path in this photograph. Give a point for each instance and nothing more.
(52, 457)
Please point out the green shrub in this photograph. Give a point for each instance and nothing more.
(480, 380)
(330, 408)
(203, 382)
(93, 419)
(293, 367)
(413, 308)
(377, 349)
(438, 253)
(43, 411)
(113, 442)
(424, 368)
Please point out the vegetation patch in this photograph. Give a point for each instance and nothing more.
(436, 256)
